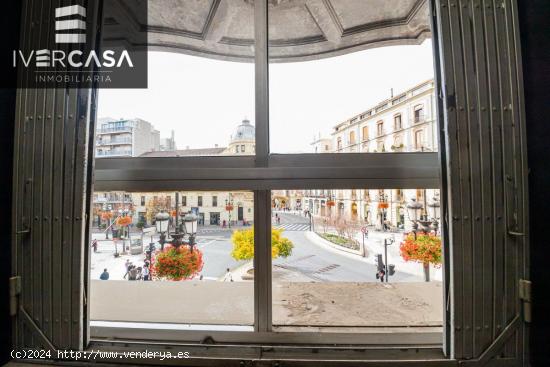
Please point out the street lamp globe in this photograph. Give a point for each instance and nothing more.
(414, 207)
(435, 204)
(190, 221)
(162, 220)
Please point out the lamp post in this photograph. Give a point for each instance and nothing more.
(414, 208)
(161, 221)
(388, 272)
(229, 208)
(190, 221)
(385, 270)
(383, 205)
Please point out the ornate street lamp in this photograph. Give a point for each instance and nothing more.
(414, 208)
(435, 204)
(161, 221)
(190, 221)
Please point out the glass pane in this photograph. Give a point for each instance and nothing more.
(353, 260)
(342, 83)
(200, 97)
(138, 277)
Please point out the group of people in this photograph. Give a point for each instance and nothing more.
(134, 272)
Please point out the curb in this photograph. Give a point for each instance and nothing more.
(334, 246)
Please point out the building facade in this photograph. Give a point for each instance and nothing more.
(168, 144)
(125, 138)
(211, 208)
(404, 123)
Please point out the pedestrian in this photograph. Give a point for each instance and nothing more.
(132, 273)
(146, 273)
(278, 220)
(94, 245)
(127, 264)
(228, 277)
(104, 275)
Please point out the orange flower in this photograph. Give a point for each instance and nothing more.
(425, 249)
(177, 263)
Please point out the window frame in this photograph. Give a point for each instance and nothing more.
(260, 173)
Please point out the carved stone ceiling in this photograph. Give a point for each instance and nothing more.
(298, 29)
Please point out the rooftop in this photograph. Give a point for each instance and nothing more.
(185, 152)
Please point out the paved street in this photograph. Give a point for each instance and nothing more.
(310, 260)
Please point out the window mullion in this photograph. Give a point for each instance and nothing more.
(262, 198)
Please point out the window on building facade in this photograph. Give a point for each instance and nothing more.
(352, 137)
(418, 113)
(143, 200)
(184, 200)
(339, 143)
(199, 200)
(397, 124)
(419, 139)
(365, 131)
(214, 201)
(380, 128)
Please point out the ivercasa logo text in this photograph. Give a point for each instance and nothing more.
(70, 28)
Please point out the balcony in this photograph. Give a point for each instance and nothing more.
(110, 130)
(114, 153)
(124, 141)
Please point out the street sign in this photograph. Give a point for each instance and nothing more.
(364, 229)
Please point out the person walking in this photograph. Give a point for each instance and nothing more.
(104, 275)
(94, 245)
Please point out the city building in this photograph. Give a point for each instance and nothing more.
(242, 141)
(125, 138)
(212, 208)
(403, 123)
(168, 144)
(406, 122)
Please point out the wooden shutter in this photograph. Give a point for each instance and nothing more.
(487, 174)
(52, 180)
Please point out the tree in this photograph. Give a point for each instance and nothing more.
(243, 244)
(155, 205)
(423, 248)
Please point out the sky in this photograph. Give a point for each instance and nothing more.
(204, 100)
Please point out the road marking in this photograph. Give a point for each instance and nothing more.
(292, 226)
(327, 268)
